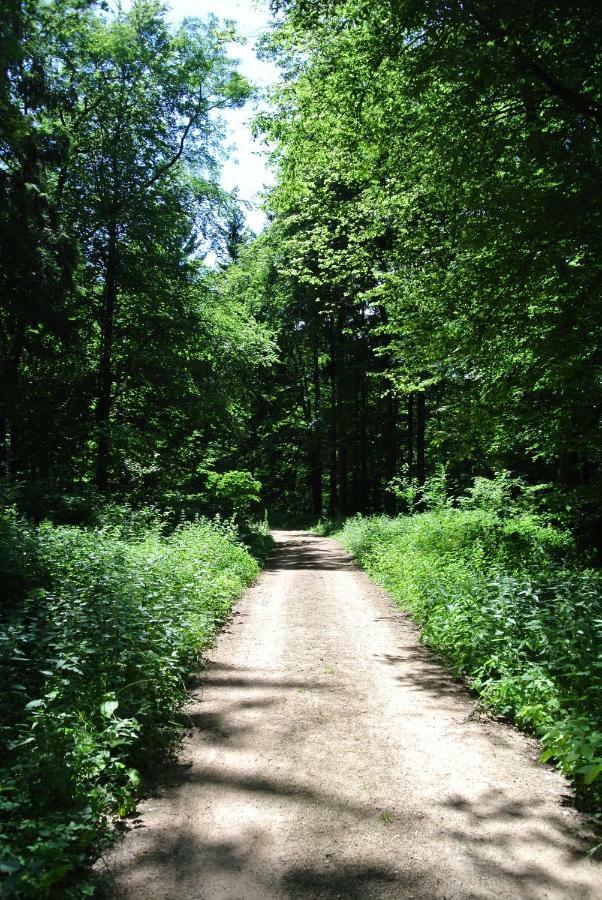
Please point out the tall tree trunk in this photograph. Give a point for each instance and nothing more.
(19, 302)
(316, 441)
(344, 430)
(420, 428)
(105, 368)
(344, 475)
(363, 426)
(9, 416)
(355, 469)
(390, 451)
(4, 439)
(333, 500)
(410, 437)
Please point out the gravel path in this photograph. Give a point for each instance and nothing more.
(332, 757)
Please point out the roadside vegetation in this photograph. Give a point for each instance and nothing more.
(500, 593)
(424, 298)
(101, 628)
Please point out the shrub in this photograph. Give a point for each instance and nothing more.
(234, 495)
(234, 492)
(257, 538)
(95, 648)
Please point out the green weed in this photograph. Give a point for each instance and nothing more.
(101, 628)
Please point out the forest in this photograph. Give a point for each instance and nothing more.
(408, 355)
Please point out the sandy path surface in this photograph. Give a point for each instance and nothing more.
(332, 757)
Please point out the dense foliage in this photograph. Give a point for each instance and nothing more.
(423, 310)
(427, 292)
(114, 334)
(100, 629)
(433, 260)
(496, 591)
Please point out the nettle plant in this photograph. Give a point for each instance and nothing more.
(503, 595)
(103, 628)
(235, 492)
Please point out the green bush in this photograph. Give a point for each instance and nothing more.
(257, 538)
(234, 495)
(104, 626)
(501, 597)
(235, 492)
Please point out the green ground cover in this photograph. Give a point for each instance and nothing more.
(100, 628)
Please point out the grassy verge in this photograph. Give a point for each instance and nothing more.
(99, 629)
(503, 600)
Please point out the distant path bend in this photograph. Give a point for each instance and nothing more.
(332, 757)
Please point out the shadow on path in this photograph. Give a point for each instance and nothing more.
(312, 552)
(255, 777)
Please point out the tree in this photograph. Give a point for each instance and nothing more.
(151, 93)
(37, 251)
(110, 162)
(439, 167)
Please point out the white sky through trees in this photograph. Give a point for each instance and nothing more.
(246, 167)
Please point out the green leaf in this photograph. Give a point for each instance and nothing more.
(108, 707)
(134, 777)
(591, 772)
(34, 704)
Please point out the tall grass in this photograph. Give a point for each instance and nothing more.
(100, 628)
(503, 599)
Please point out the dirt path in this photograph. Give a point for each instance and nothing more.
(331, 757)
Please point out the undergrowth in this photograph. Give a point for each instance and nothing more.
(499, 593)
(99, 629)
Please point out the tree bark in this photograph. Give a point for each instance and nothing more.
(105, 368)
(344, 476)
(316, 439)
(333, 500)
(420, 429)
(390, 451)
(410, 437)
(363, 426)
(9, 416)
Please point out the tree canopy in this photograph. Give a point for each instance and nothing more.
(436, 228)
(114, 335)
(426, 294)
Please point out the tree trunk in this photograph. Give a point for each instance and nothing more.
(105, 368)
(390, 451)
(4, 439)
(356, 471)
(316, 439)
(410, 437)
(344, 476)
(420, 428)
(363, 425)
(9, 417)
(333, 500)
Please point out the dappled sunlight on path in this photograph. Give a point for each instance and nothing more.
(331, 756)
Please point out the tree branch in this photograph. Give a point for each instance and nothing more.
(162, 170)
(576, 100)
